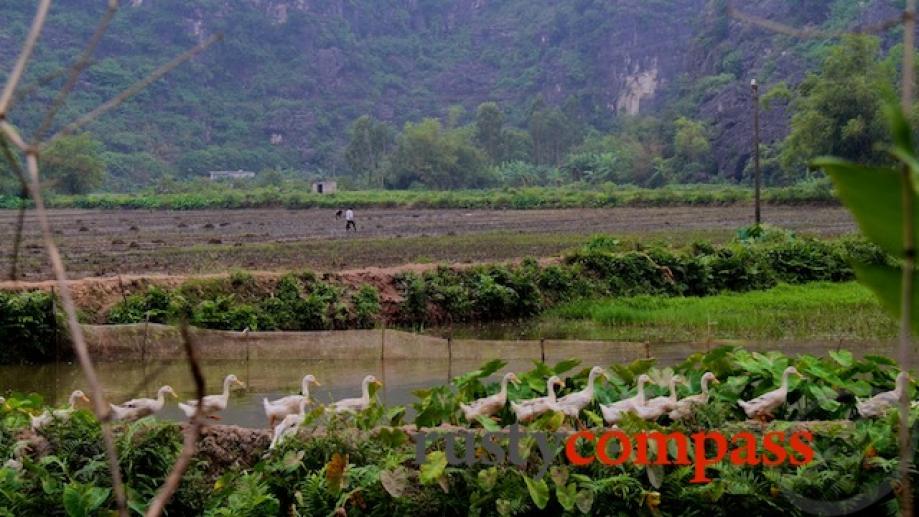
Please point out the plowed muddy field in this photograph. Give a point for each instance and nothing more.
(103, 243)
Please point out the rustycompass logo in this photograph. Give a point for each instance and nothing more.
(615, 447)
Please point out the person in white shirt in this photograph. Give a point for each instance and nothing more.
(349, 220)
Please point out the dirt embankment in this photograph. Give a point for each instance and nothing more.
(95, 296)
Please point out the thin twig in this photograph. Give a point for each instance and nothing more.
(192, 433)
(76, 331)
(20, 218)
(74, 72)
(25, 91)
(134, 89)
(908, 76)
(808, 32)
(12, 134)
(38, 23)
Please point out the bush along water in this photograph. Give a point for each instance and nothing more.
(31, 328)
(606, 267)
(368, 464)
(758, 259)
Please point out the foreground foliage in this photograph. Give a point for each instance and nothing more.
(365, 465)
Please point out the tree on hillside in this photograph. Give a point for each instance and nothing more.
(369, 142)
(74, 164)
(427, 155)
(837, 110)
(692, 152)
(553, 133)
(489, 126)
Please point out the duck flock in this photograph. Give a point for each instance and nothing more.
(286, 414)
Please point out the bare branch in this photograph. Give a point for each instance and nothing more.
(25, 91)
(76, 70)
(908, 77)
(809, 32)
(12, 134)
(192, 432)
(38, 23)
(20, 218)
(135, 88)
(76, 331)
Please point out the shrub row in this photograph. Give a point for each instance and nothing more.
(574, 196)
(295, 302)
(29, 327)
(603, 267)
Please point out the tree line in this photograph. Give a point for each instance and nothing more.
(835, 110)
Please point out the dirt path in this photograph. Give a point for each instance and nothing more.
(105, 243)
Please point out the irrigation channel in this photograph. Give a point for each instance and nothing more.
(272, 364)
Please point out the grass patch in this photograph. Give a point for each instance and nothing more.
(819, 310)
(569, 196)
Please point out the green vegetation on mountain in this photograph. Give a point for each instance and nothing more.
(462, 94)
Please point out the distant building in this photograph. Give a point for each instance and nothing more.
(325, 187)
(231, 175)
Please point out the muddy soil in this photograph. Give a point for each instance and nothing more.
(107, 243)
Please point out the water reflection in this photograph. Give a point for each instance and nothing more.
(339, 378)
(263, 378)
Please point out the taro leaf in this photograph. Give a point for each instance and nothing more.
(584, 500)
(873, 195)
(503, 506)
(444, 484)
(559, 475)
(394, 415)
(83, 500)
(884, 281)
(859, 388)
(843, 357)
(433, 467)
(392, 437)
(900, 128)
(566, 496)
(826, 396)
(655, 475)
(563, 366)
(488, 424)
(488, 478)
(485, 370)
(539, 491)
(335, 471)
(292, 460)
(395, 481)
(550, 421)
(879, 359)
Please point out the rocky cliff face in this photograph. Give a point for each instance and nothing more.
(292, 74)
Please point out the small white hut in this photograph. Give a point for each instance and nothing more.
(325, 187)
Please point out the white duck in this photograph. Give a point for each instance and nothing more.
(879, 404)
(488, 406)
(613, 413)
(278, 409)
(658, 406)
(761, 407)
(685, 406)
(141, 407)
(527, 410)
(47, 416)
(354, 405)
(290, 424)
(212, 403)
(572, 404)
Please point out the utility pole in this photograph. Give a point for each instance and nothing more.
(756, 170)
